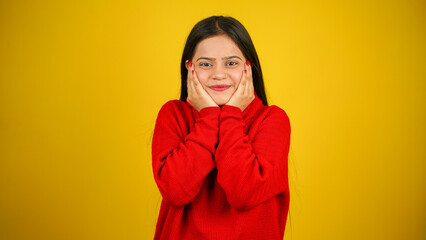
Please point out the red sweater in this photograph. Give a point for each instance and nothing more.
(222, 172)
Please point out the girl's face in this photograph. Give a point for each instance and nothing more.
(219, 65)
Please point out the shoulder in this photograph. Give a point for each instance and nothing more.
(173, 107)
(274, 112)
(174, 114)
(175, 111)
(273, 117)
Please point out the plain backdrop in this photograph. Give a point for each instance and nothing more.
(81, 83)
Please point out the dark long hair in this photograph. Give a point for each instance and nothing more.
(220, 25)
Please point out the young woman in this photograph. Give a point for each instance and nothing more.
(219, 154)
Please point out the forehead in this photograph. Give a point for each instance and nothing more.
(217, 46)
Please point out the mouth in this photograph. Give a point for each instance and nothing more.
(220, 88)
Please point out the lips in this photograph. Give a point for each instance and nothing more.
(220, 88)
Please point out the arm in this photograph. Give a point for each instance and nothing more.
(181, 163)
(251, 173)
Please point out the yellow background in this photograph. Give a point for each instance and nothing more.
(82, 83)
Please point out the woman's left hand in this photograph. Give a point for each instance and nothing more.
(244, 94)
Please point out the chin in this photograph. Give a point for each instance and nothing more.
(221, 100)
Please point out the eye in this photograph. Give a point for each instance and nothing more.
(232, 63)
(205, 64)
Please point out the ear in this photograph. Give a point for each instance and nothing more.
(187, 64)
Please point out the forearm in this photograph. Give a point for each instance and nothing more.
(181, 163)
(252, 170)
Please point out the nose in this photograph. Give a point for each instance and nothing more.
(219, 72)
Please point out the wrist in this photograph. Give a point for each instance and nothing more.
(232, 108)
(209, 110)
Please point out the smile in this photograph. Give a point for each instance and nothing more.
(220, 88)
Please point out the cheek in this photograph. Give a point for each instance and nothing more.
(236, 77)
(203, 76)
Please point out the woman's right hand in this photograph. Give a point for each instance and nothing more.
(197, 95)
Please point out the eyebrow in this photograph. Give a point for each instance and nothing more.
(224, 58)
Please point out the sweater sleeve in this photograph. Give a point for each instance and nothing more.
(252, 172)
(181, 163)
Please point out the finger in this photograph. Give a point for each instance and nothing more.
(189, 67)
(245, 85)
(250, 77)
(195, 82)
(241, 83)
(190, 82)
(198, 86)
(188, 78)
(243, 77)
(246, 80)
(251, 90)
(249, 72)
(194, 77)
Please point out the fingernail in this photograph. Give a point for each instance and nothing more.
(245, 71)
(192, 71)
(190, 64)
(248, 63)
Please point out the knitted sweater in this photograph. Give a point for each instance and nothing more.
(222, 172)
